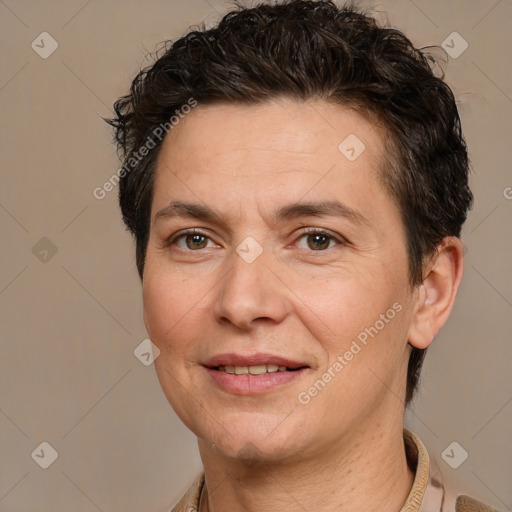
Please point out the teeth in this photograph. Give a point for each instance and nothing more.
(258, 370)
(252, 370)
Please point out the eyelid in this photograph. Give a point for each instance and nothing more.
(322, 231)
(184, 232)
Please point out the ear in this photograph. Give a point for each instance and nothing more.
(434, 298)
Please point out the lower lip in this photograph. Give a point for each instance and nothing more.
(253, 384)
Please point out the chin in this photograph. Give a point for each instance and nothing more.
(254, 452)
(254, 441)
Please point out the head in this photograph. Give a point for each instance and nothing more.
(244, 121)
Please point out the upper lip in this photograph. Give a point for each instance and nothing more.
(251, 360)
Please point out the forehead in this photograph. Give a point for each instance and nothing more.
(279, 148)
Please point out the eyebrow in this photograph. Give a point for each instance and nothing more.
(321, 209)
(181, 209)
(291, 211)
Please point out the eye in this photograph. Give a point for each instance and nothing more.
(192, 241)
(317, 240)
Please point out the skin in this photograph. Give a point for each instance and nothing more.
(304, 298)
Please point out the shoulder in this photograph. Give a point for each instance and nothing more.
(467, 504)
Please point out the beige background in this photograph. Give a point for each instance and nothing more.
(70, 324)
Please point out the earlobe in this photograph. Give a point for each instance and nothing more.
(436, 295)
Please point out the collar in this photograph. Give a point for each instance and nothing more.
(427, 491)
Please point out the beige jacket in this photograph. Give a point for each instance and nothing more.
(427, 492)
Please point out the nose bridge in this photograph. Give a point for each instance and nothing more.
(250, 290)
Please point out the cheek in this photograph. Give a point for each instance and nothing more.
(338, 306)
(166, 300)
(176, 309)
(359, 323)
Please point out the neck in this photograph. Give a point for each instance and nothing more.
(367, 472)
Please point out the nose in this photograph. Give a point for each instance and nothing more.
(251, 293)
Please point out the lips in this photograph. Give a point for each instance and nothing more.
(254, 374)
(253, 360)
(259, 369)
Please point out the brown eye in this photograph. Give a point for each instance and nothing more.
(195, 241)
(191, 241)
(318, 241)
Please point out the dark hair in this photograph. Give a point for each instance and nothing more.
(310, 50)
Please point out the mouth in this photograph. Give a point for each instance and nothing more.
(256, 374)
(260, 369)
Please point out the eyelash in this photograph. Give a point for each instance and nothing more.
(304, 232)
(319, 231)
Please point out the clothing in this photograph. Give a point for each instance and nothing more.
(427, 492)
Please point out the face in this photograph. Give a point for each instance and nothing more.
(276, 278)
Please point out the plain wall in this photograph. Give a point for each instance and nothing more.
(70, 321)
